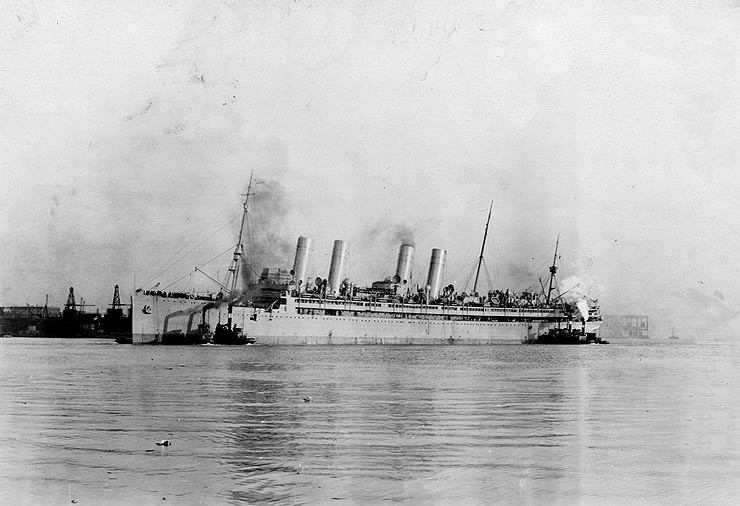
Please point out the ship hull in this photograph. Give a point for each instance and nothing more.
(337, 330)
(158, 319)
(155, 316)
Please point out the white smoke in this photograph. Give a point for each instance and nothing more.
(582, 306)
(578, 289)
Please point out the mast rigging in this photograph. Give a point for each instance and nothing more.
(238, 251)
(482, 248)
(553, 270)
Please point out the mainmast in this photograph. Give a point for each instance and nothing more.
(238, 251)
(553, 270)
(483, 246)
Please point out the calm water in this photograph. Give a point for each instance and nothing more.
(654, 423)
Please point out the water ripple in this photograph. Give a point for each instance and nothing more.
(346, 425)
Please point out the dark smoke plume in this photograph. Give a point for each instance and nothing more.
(263, 244)
(402, 234)
(390, 234)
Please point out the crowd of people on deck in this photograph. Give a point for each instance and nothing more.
(182, 295)
(448, 296)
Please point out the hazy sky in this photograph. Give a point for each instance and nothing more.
(130, 128)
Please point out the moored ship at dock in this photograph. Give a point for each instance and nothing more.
(70, 322)
(296, 309)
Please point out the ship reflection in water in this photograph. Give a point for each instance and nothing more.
(542, 424)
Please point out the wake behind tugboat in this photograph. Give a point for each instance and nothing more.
(282, 308)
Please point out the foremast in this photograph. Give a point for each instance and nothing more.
(238, 258)
(553, 272)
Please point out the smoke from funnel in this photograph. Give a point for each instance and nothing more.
(576, 290)
(263, 246)
(402, 233)
(382, 235)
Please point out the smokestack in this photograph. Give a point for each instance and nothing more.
(338, 257)
(403, 267)
(301, 262)
(436, 266)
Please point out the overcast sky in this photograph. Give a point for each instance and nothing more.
(129, 129)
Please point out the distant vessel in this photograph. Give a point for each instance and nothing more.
(673, 333)
(71, 321)
(289, 309)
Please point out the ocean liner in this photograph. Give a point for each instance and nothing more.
(291, 308)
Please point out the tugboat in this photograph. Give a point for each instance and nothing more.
(568, 336)
(588, 309)
(226, 334)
